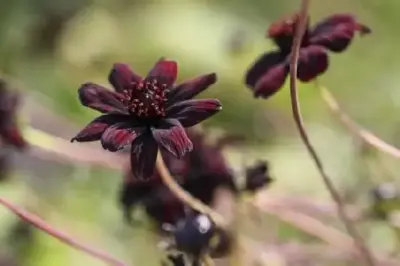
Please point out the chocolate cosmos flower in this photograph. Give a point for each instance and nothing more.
(146, 113)
(269, 72)
(9, 132)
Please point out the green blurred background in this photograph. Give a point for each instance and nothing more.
(50, 47)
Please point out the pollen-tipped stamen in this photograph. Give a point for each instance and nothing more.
(146, 98)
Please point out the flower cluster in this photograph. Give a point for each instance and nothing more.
(151, 115)
(200, 173)
(269, 72)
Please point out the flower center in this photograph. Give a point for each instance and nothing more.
(146, 98)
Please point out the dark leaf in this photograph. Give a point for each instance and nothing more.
(172, 136)
(192, 112)
(313, 61)
(119, 135)
(95, 129)
(263, 65)
(122, 76)
(336, 32)
(164, 71)
(100, 99)
(143, 156)
(191, 88)
(271, 81)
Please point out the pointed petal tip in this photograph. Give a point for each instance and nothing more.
(363, 29)
(165, 71)
(213, 77)
(121, 76)
(191, 88)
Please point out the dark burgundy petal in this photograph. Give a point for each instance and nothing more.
(95, 129)
(122, 76)
(192, 112)
(11, 135)
(119, 135)
(336, 32)
(191, 88)
(143, 156)
(100, 99)
(271, 81)
(313, 61)
(170, 134)
(164, 71)
(264, 64)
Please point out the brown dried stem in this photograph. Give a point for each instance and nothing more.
(354, 128)
(302, 24)
(61, 236)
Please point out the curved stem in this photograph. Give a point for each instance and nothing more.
(302, 24)
(183, 195)
(61, 236)
(355, 129)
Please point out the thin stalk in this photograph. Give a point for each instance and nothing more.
(183, 195)
(40, 224)
(363, 134)
(301, 26)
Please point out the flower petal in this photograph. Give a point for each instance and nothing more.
(283, 30)
(119, 135)
(313, 61)
(95, 129)
(122, 76)
(143, 156)
(172, 136)
(264, 64)
(336, 32)
(164, 71)
(272, 81)
(191, 88)
(192, 112)
(100, 99)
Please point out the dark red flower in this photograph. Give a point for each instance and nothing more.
(200, 173)
(257, 176)
(269, 72)
(9, 131)
(146, 113)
